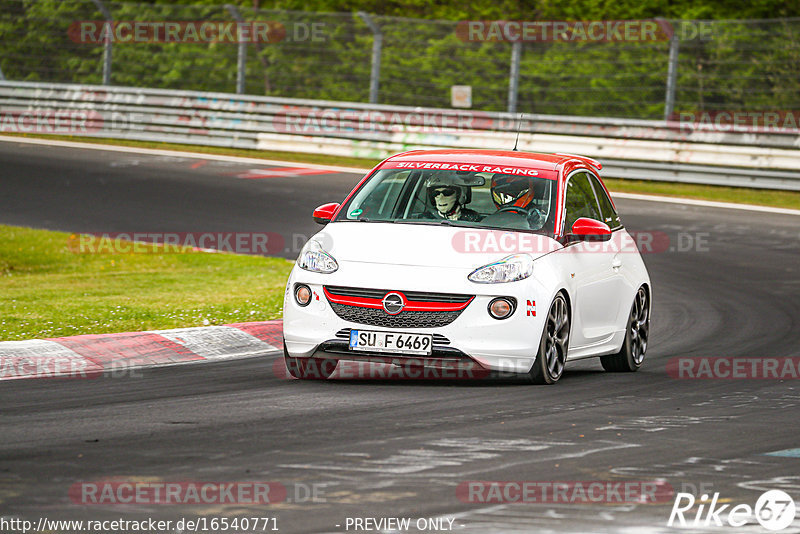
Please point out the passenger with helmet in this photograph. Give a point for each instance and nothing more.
(517, 195)
(448, 196)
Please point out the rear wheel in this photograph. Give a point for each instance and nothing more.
(631, 355)
(309, 368)
(552, 356)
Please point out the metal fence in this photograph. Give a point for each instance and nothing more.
(628, 148)
(357, 57)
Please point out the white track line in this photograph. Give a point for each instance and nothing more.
(354, 170)
(705, 203)
(178, 153)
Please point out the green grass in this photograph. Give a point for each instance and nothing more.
(763, 197)
(49, 290)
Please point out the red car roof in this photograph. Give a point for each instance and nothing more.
(492, 157)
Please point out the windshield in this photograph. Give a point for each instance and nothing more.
(458, 198)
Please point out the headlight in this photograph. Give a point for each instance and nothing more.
(313, 258)
(509, 269)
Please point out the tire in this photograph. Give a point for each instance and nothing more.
(552, 355)
(309, 368)
(631, 356)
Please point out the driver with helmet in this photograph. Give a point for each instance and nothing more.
(448, 196)
(515, 194)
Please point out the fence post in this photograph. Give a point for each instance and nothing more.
(241, 59)
(2, 78)
(377, 46)
(107, 43)
(672, 76)
(513, 76)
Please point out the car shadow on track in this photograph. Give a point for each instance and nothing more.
(490, 380)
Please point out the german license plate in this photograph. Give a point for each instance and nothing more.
(396, 342)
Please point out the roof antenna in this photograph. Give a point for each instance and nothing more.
(519, 125)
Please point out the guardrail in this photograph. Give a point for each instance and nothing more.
(640, 149)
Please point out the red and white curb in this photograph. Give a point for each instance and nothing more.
(90, 356)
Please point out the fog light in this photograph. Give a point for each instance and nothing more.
(502, 307)
(302, 294)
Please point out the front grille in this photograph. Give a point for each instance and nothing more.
(414, 296)
(406, 319)
(438, 339)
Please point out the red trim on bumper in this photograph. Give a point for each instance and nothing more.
(411, 305)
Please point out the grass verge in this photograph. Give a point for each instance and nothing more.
(47, 290)
(763, 197)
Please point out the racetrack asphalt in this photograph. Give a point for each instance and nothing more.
(379, 448)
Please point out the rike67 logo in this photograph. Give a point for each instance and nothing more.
(774, 510)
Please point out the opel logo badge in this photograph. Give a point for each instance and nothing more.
(393, 303)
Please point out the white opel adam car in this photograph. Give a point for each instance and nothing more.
(499, 260)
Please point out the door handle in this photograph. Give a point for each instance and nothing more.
(616, 263)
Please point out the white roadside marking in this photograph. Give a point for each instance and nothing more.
(41, 358)
(354, 170)
(217, 342)
(705, 203)
(177, 154)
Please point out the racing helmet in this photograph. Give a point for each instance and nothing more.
(447, 183)
(508, 191)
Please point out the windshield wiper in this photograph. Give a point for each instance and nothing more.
(368, 220)
(443, 222)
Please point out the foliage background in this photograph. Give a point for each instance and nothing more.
(749, 59)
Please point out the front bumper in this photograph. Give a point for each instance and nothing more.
(508, 345)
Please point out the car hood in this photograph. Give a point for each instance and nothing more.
(427, 245)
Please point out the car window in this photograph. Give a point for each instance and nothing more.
(580, 200)
(484, 199)
(481, 200)
(610, 216)
(383, 198)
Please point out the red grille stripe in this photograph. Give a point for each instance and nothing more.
(436, 306)
(411, 305)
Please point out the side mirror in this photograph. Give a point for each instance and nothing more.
(323, 214)
(585, 229)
